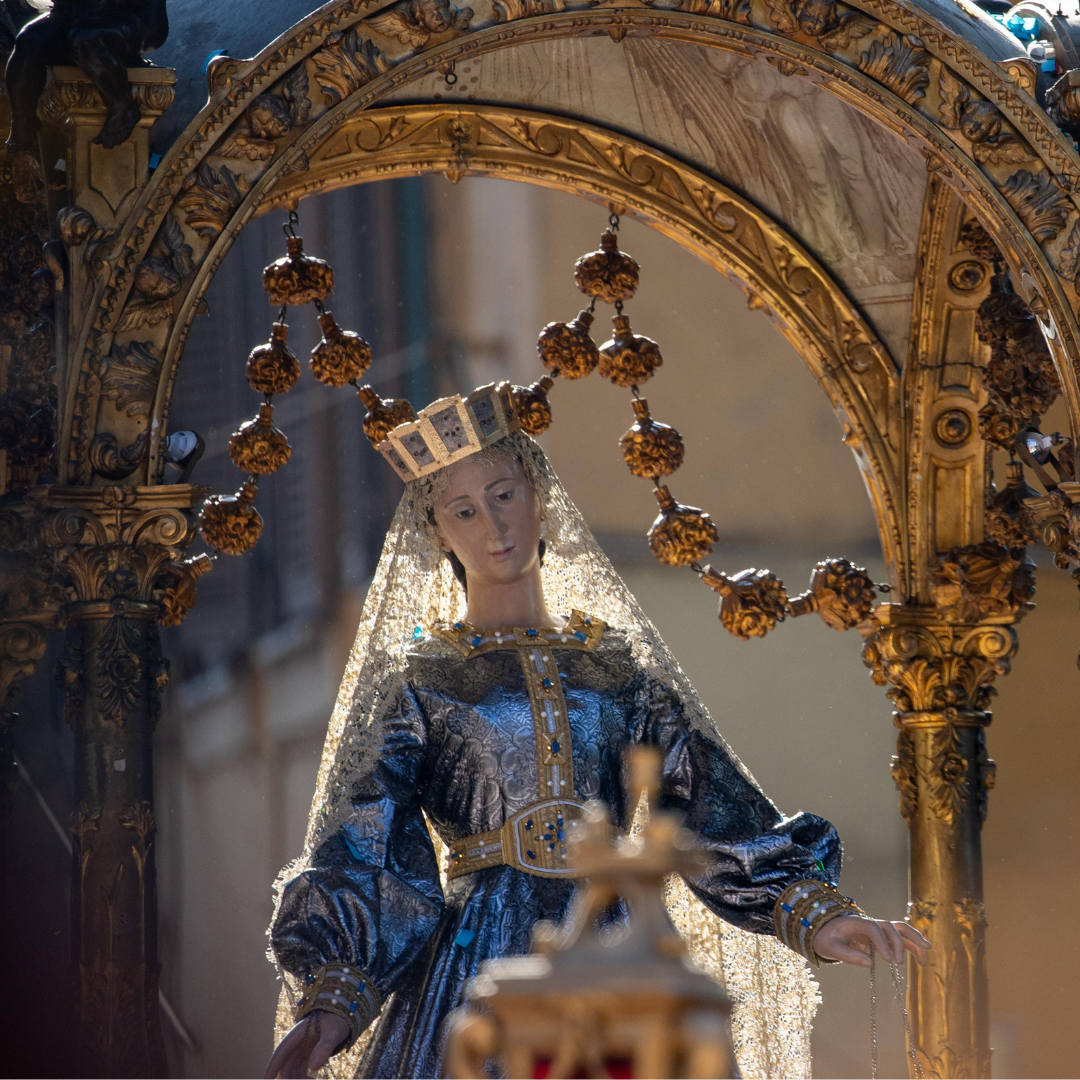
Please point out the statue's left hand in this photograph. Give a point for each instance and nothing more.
(849, 938)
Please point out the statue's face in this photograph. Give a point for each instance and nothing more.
(489, 516)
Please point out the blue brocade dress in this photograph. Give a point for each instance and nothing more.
(477, 738)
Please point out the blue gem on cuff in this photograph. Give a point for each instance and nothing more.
(532, 633)
(547, 683)
(555, 746)
(476, 640)
(579, 635)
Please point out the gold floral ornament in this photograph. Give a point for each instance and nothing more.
(841, 593)
(258, 446)
(230, 523)
(1009, 520)
(273, 368)
(649, 448)
(628, 359)
(297, 278)
(383, 414)
(752, 601)
(681, 534)
(608, 274)
(532, 406)
(341, 356)
(568, 348)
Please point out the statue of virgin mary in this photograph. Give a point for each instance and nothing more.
(500, 669)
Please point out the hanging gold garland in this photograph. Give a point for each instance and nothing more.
(753, 601)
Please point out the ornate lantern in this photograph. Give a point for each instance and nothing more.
(625, 1004)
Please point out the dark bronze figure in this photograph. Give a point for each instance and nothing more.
(104, 38)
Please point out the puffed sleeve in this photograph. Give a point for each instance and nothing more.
(758, 851)
(371, 897)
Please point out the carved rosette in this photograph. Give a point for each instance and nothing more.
(608, 274)
(258, 446)
(628, 359)
(567, 348)
(650, 449)
(341, 357)
(681, 534)
(230, 523)
(383, 414)
(752, 601)
(273, 368)
(298, 279)
(532, 406)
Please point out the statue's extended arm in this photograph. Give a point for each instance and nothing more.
(761, 856)
(351, 924)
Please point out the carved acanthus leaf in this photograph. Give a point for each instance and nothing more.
(900, 64)
(347, 62)
(210, 198)
(1039, 201)
(130, 375)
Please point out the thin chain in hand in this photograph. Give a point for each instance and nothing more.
(873, 1017)
(898, 989)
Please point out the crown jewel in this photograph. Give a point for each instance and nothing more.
(449, 430)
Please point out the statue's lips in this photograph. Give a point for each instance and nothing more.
(501, 554)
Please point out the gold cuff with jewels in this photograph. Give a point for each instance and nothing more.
(344, 990)
(803, 909)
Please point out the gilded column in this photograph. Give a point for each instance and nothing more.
(116, 551)
(940, 662)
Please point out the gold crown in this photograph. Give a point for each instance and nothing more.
(449, 430)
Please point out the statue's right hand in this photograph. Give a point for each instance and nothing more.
(308, 1046)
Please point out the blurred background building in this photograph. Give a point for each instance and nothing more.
(451, 284)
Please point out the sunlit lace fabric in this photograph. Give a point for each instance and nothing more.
(421, 732)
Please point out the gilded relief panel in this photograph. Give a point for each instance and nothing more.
(851, 192)
(946, 475)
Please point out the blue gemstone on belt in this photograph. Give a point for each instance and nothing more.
(805, 923)
(353, 1006)
(787, 907)
(560, 834)
(579, 635)
(476, 640)
(532, 633)
(547, 683)
(528, 824)
(531, 854)
(555, 746)
(459, 626)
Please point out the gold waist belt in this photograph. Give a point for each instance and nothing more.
(533, 840)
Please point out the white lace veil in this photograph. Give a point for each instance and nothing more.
(414, 587)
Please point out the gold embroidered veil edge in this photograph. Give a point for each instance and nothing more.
(774, 994)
